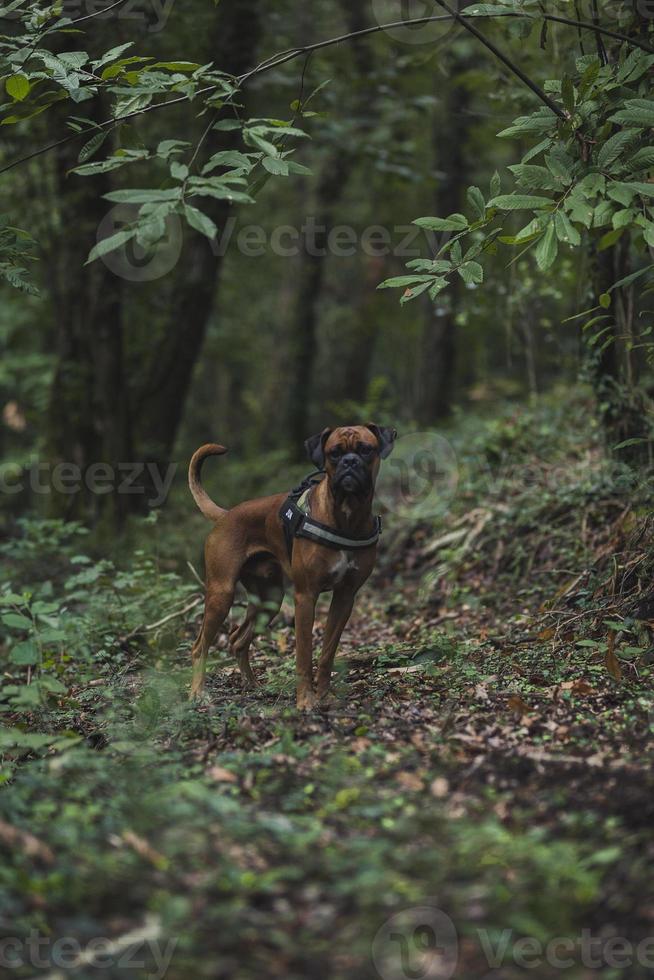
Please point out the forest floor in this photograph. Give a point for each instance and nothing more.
(477, 801)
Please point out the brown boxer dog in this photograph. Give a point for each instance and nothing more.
(249, 544)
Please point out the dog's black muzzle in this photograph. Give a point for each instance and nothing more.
(352, 475)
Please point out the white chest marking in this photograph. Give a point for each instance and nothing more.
(344, 563)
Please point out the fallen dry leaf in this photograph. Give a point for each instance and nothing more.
(517, 705)
(220, 775)
(611, 662)
(439, 788)
(409, 780)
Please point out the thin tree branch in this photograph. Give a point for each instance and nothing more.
(276, 60)
(518, 72)
(97, 13)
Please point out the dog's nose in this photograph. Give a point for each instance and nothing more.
(350, 459)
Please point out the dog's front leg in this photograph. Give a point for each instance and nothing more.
(340, 611)
(305, 611)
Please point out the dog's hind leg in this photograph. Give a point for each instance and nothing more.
(267, 586)
(217, 604)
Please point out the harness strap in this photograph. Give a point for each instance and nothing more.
(298, 523)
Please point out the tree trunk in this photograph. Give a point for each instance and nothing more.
(89, 417)
(438, 356)
(313, 255)
(162, 400)
(621, 403)
(94, 415)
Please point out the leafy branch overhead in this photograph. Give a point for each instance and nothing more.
(592, 130)
(36, 80)
(587, 177)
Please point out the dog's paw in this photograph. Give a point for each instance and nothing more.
(325, 699)
(306, 700)
(199, 697)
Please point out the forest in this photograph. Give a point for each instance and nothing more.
(411, 237)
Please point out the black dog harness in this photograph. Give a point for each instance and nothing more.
(298, 523)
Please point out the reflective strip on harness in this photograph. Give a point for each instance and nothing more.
(308, 529)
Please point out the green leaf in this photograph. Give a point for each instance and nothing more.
(207, 187)
(591, 185)
(275, 166)
(184, 66)
(519, 202)
(609, 239)
(298, 168)
(200, 221)
(111, 55)
(471, 272)
(253, 139)
(560, 164)
(534, 177)
(643, 159)
(17, 621)
(540, 121)
(635, 66)
(646, 190)
(18, 87)
(110, 243)
(605, 300)
(495, 184)
(621, 219)
(404, 281)
(134, 196)
(228, 124)
(535, 150)
(620, 192)
(228, 158)
(610, 151)
(603, 214)
(24, 653)
(168, 147)
(565, 230)
(477, 202)
(628, 442)
(547, 249)
(455, 222)
(92, 146)
(413, 292)
(636, 112)
(648, 233)
(568, 93)
(178, 170)
(437, 287)
(631, 278)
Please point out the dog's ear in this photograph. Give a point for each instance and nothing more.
(386, 436)
(315, 447)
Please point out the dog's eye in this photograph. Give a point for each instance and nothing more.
(365, 449)
(335, 454)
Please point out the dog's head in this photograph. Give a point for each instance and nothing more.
(350, 455)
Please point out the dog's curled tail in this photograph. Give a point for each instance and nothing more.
(210, 509)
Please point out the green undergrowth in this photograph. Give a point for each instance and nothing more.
(487, 753)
